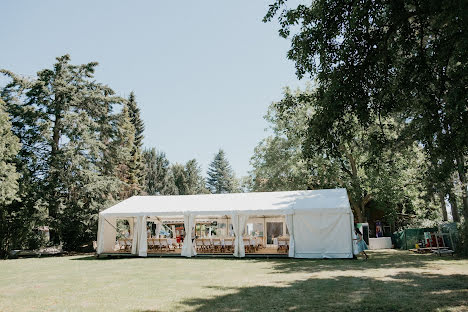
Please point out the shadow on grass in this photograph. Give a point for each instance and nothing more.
(196, 258)
(87, 258)
(378, 260)
(406, 291)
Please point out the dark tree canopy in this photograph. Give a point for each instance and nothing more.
(400, 59)
(66, 125)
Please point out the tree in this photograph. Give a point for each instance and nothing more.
(125, 142)
(136, 164)
(387, 59)
(295, 157)
(195, 180)
(278, 162)
(137, 122)
(159, 177)
(188, 179)
(180, 179)
(60, 119)
(9, 147)
(221, 179)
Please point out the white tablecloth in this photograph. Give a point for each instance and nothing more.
(380, 243)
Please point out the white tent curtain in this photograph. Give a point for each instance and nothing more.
(158, 228)
(100, 238)
(135, 235)
(188, 250)
(108, 234)
(235, 226)
(143, 241)
(131, 225)
(238, 222)
(289, 224)
(353, 237)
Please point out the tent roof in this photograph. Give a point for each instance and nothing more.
(261, 203)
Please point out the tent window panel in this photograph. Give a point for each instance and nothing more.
(254, 229)
(274, 229)
(123, 229)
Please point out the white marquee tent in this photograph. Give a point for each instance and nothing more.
(319, 222)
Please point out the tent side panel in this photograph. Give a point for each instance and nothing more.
(321, 235)
(108, 233)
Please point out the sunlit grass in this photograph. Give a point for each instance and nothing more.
(389, 281)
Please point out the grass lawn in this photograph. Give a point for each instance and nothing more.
(390, 281)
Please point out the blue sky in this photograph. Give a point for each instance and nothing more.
(204, 72)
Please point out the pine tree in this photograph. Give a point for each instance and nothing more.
(180, 179)
(221, 179)
(125, 143)
(22, 216)
(60, 116)
(159, 177)
(188, 179)
(134, 113)
(195, 181)
(136, 165)
(9, 147)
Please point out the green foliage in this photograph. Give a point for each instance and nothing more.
(297, 156)
(68, 131)
(136, 164)
(159, 177)
(137, 122)
(188, 178)
(9, 147)
(79, 154)
(278, 163)
(165, 179)
(381, 60)
(126, 169)
(221, 179)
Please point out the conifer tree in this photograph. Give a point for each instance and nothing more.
(180, 179)
(125, 143)
(221, 179)
(136, 164)
(60, 116)
(9, 147)
(195, 180)
(188, 179)
(159, 177)
(134, 113)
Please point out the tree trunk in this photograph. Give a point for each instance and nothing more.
(358, 206)
(454, 206)
(462, 176)
(358, 212)
(443, 206)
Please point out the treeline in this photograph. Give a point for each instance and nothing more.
(387, 116)
(162, 178)
(69, 148)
